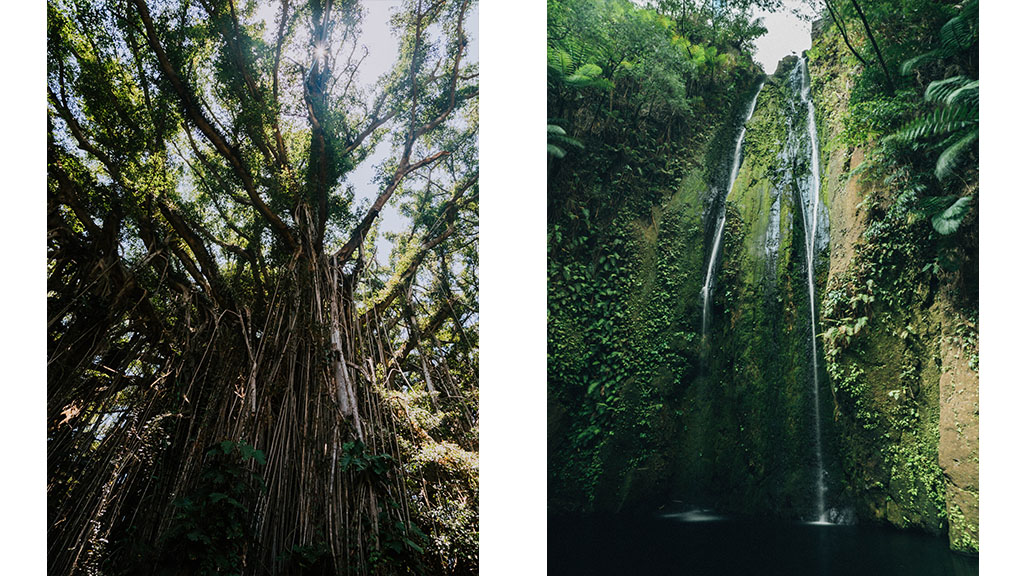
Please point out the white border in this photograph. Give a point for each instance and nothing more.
(513, 257)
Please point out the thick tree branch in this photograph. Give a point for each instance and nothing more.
(405, 277)
(375, 123)
(231, 32)
(219, 142)
(364, 226)
(842, 30)
(68, 194)
(212, 170)
(209, 268)
(282, 152)
(460, 38)
(78, 132)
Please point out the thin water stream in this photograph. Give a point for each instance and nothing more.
(810, 204)
(801, 147)
(737, 157)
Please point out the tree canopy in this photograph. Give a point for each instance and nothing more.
(236, 383)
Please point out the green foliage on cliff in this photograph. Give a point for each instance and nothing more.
(641, 408)
(928, 120)
(635, 101)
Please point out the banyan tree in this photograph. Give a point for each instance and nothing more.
(239, 379)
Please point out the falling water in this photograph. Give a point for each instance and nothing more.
(810, 216)
(705, 292)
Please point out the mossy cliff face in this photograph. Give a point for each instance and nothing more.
(900, 344)
(612, 416)
(748, 442)
(624, 316)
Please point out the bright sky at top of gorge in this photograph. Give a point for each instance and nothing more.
(787, 34)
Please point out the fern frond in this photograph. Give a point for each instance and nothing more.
(929, 206)
(590, 70)
(956, 34)
(966, 95)
(949, 220)
(950, 157)
(569, 141)
(921, 59)
(560, 61)
(556, 151)
(558, 138)
(960, 32)
(939, 89)
(939, 121)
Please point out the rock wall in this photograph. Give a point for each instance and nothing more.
(900, 342)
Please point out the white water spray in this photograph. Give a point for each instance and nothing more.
(705, 292)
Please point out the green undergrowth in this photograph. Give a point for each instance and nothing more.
(619, 350)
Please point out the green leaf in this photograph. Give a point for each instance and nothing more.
(956, 34)
(939, 90)
(589, 71)
(560, 61)
(949, 220)
(951, 155)
(412, 545)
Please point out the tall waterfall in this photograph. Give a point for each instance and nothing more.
(810, 202)
(705, 292)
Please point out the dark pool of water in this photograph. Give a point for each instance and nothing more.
(703, 544)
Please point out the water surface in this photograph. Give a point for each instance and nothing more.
(701, 543)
